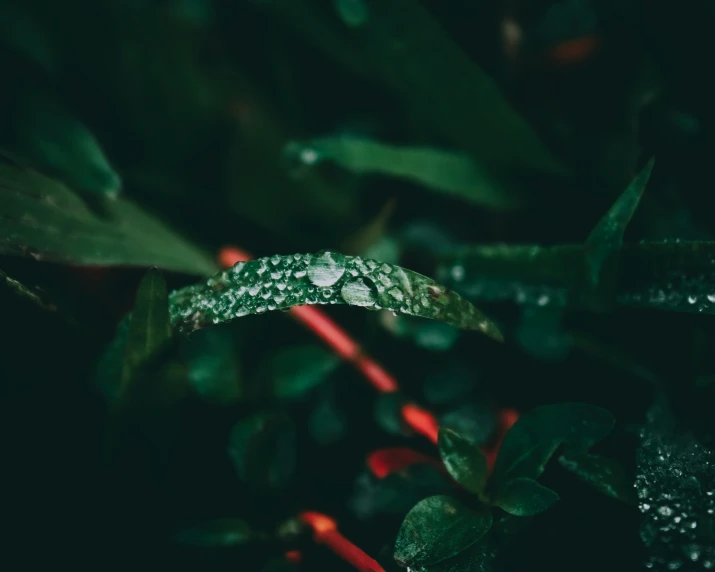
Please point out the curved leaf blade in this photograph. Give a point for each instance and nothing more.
(525, 497)
(438, 528)
(463, 460)
(280, 282)
(45, 220)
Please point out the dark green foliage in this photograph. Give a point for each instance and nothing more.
(541, 168)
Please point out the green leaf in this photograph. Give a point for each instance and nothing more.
(299, 369)
(223, 532)
(437, 528)
(149, 327)
(45, 220)
(440, 84)
(32, 295)
(280, 282)
(539, 431)
(47, 135)
(262, 449)
(451, 173)
(605, 475)
(213, 365)
(464, 461)
(525, 497)
(606, 239)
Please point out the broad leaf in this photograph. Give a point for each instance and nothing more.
(437, 528)
(576, 425)
(213, 365)
(606, 239)
(280, 282)
(532, 462)
(262, 449)
(464, 461)
(451, 173)
(298, 369)
(525, 497)
(45, 220)
(223, 532)
(606, 475)
(149, 328)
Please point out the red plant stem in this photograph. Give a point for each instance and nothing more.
(325, 532)
(421, 420)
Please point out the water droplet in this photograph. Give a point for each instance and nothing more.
(458, 272)
(397, 294)
(359, 292)
(692, 299)
(327, 292)
(386, 268)
(326, 269)
(665, 511)
(281, 285)
(352, 12)
(711, 298)
(275, 260)
(299, 273)
(543, 300)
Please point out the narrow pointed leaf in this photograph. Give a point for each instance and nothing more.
(605, 475)
(575, 425)
(223, 532)
(464, 461)
(437, 528)
(606, 239)
(525, 497)
(45, 220)
(33, 295)
(280, 282)
(149, 327)
(437, 81)
(447, 172)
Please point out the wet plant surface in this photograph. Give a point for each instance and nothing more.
(369, 285)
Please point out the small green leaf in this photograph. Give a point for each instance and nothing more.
(213, 365)
(149, 327)
(223, 532)
(281, 282)
(447, 172)
(437, 528)
(262, 449)
(525, 497)
(464, 461)
(606, 239)
(299, 369)
(575, 425)
(533, 462)
(45, 220)
(606, 475)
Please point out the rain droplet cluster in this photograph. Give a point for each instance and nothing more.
(675, 483)
(280, 282)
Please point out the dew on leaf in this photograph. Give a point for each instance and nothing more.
(326, 268)
(359, 292)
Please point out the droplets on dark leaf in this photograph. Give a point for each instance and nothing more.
(326, 268)
(464, 461)
(438, 528)
(605, 475)
(525, 497)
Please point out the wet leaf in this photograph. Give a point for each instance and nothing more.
(447, 172)
(531, 463)
(262, 449)
(525, 497)
(437, 528)
(280, 282)
(606, 475)
(674, 276)
(223, 532)
(440, 84)
(299, 369)
(213, 364)
(575, 425)
(464, 461)
(606, 239)
(45, 220)
(149, 328)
